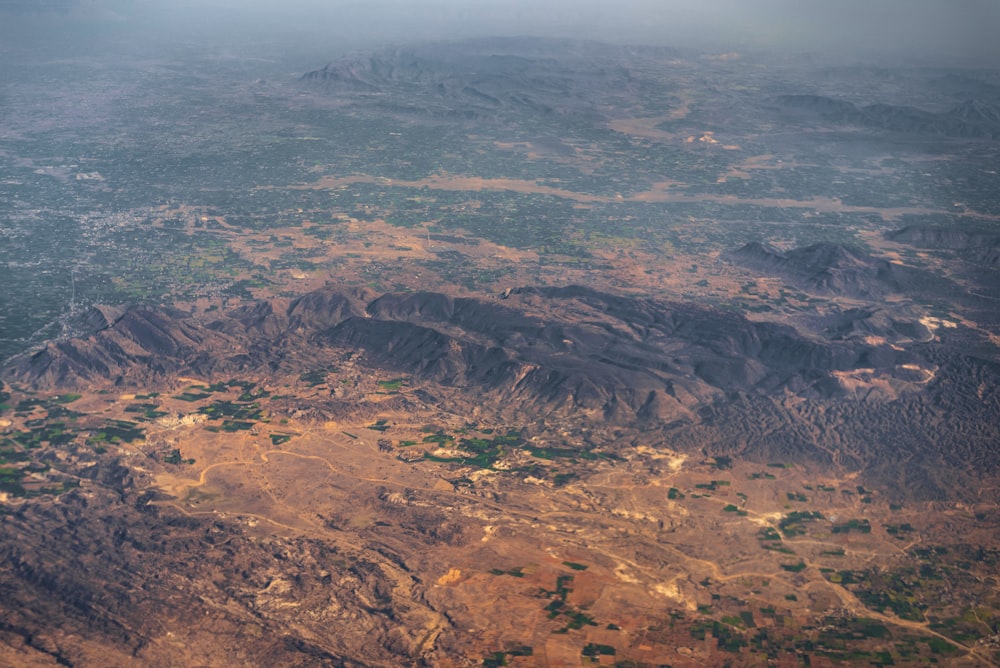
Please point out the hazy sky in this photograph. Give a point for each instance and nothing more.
(932, 28)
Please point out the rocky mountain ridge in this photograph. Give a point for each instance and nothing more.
(982, 247)
(836, 269)
(482, 78)
(554, 350)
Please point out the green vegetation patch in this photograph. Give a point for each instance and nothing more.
(229, 409)
(440, 438)
(554, 453)
(973, 623)
(191, 397)
(10, 481)
(562, 479)
(54, 433)
(29, 404)
(722, 463)
(314, 378)
(769, 533)
(392, 385)
(730, 638)
(794, 523)
(175, 458)
(232, 426)
(117, 431)
(595, 650)
(899, 530)
(146, 412)
(558, 606)
(578, 619)
(12, 455)
(23, 481)
(733, 621)
(497, 659)
(860, 526)
(481, 452)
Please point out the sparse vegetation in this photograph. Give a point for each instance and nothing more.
(586, 178)
(795, 523)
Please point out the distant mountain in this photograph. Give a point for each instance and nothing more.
(836, 269)
(982, 247)
(827, 107)
(972, 118)
(974, 111)
(482, 77)
(552, 350)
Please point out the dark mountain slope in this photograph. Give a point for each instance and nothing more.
(550, 349)
(143, 343)
(982, 247)
(703, 378)
(836, 269)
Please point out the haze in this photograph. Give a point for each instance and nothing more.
(925, 29)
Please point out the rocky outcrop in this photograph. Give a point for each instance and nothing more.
(122, 578)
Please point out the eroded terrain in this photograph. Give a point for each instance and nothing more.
(501, 353)
(424, 518)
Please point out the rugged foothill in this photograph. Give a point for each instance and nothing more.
(696, 374)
